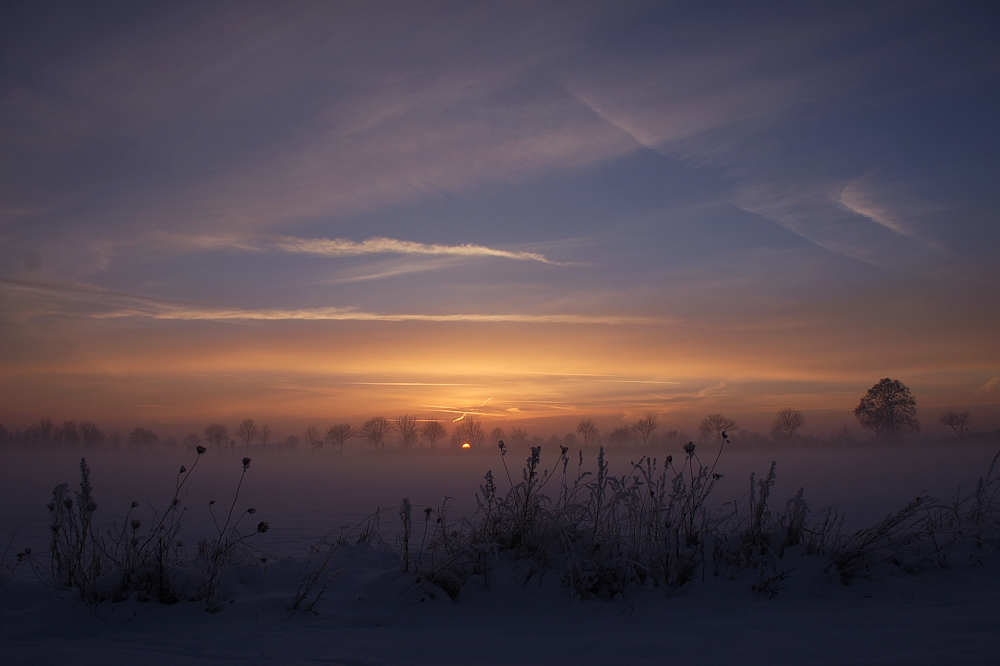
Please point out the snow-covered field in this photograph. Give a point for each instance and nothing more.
(377, 614)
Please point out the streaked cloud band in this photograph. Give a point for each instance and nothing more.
(347, 314)
(342, 247)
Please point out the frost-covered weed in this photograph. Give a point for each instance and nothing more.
(126, 559)
(654, 526)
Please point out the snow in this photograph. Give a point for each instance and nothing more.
(375, 613)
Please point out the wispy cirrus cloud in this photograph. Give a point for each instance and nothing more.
(351, 314)
(342, 247)
(122, 305)
(339, 247)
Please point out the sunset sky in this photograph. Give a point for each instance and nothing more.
(532, 212)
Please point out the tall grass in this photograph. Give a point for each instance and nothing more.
(125, 559)
(656, 525)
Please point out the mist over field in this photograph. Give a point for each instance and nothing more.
(411, 333)
(306, 496)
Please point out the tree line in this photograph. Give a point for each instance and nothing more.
(888, 410)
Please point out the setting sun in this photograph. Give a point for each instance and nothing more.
(466, 446)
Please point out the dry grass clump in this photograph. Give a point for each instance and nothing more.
(125, 559)
(653, 526)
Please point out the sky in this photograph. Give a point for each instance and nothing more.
(530, 212)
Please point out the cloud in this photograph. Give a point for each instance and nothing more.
(142, 307)
(350, 314)
(339, 247)
(855, 198)
(991, 385)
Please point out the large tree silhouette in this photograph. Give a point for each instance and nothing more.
(645, 426)
(375, 429)
(717, 424)
(889, 410)
(433, 431)
(588, 429)
(787, 421)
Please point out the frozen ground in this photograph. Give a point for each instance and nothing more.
(375, 614)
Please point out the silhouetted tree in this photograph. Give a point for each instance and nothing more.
(957, 421)
(217, 434)
(338, 434)
(621, 436)
(717, 424)
(470, 430)
(90, 435)
(375, 430)
(313, 438)
(888, 409)
(518, 436)
(247, 431)
(264, 436)
(787, 421)
(142, 436)
(407, 428)
(433, 432)
(497, 435)
(68, 435)
(41, 432)
(587, 429)
(645, 426)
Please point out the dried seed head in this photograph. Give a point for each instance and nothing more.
(211, 502)
(68, 502)
(689, 448)
(262, 527)
(183, 469)
(200, 449)
(135, 504)
(251, 511)
(246, 464)
(136, 523)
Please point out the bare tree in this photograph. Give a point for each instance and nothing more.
(247, 431)
(717, 425)
(888, 409)
(142, 436)
(645, 426)
(217, 434)
(621, 436)
(470, 430)
(375, 430)
(433, 431)
(497, 434)
(407, 428)
(68, 435)
(787, 421)
(338, 434)
(587, 430)
(313, 438)
(518, 436)
(957, 421)
(265, 434)
(90, 434)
